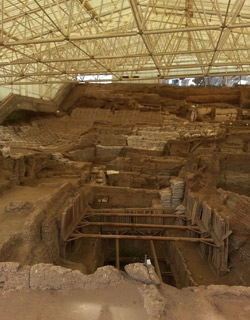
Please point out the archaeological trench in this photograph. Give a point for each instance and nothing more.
(135, 198)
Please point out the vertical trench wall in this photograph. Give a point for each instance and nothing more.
(211, 223)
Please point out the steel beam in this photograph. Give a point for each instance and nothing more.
(124, 34)
(138, 55)
(124, 70)
(142, 32)
(180, 75)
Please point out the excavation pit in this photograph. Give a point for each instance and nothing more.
(97, 187)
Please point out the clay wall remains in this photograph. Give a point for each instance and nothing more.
(211, 221)
(101, 96)
(119, 197)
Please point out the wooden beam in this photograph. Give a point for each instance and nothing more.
(76, 236)
(134, 210)
(117, 252)
(137, 225)
(137, 209)
(149, 215)
(157, 267)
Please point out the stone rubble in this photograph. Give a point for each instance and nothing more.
(14, 276)
(140, 272)
(5, 151)
(19, 206)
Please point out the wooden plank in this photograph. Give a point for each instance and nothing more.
(117, 253)
(76, 236)
(125, 209)
(194, 213)
(149, 215)
(157, 267)
(206, 216)
(138, 225)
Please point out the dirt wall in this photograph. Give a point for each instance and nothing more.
(119, 197)
(39, 241)
(128, 96)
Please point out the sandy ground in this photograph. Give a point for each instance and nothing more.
(207, 303)
(123, 302)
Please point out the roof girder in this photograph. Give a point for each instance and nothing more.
(104, 37)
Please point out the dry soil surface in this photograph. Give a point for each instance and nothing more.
(121, 302)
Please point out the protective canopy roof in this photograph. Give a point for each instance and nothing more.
(52, 41)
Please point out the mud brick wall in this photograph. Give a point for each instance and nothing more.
(107, 153)
(87, 154)
(239, 206)
(129, 95)
(235, 172)
(212, 223)
(118, 117)
(123, 197)
(180, 268)
(25, 168)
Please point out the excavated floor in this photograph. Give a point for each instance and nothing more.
(51, 160)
